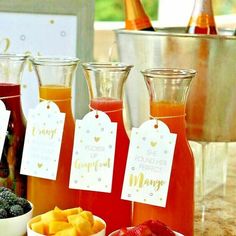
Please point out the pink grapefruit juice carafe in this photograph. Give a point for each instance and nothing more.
(55, 81)
(105, 84)
(168, 90)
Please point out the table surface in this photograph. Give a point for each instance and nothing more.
(216, 215)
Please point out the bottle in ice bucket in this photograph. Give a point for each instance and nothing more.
(136, 17)
(55, 81)
(11, 68)
(105, 84)
(168, 89)
(202, 19)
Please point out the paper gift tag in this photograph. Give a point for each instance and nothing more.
(43, 141)
(4, 119)
(149, 164)
(93, 153)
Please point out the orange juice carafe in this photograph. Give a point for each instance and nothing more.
(55, 81)
(168, 90)
(105, 83)
(11, 68)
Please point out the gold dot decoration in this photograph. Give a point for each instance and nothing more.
(51, 22)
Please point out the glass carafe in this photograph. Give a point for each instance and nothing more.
(105, 84)
(11, 68)
(55, 81)
(168, 89)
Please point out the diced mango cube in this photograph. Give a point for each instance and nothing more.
(88, 216)
(83, 226)
(56, 226)
(97, 226)
(72, 211)
(53, 215)
(38, 227)
(67, 232)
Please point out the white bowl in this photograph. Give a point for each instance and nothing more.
(16, 226)
(30, 232)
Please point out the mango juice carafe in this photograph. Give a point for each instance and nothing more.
(55, 80)
(11, 68)
(168, 90)
(105, 83)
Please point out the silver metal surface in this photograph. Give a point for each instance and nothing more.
(211, 105)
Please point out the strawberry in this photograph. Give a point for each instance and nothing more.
(122, 232)
(139, 230)
(158, 228)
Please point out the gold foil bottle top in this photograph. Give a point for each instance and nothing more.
(136, 17)
(202, 19)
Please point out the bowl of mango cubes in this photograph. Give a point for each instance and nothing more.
(68, 222)
(15, 212)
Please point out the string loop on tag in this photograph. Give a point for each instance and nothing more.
(156, 118)
(8, 97)
(108, 111)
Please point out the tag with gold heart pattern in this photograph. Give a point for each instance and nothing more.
(93, 153)
(4, 119)
(149, 164)
(43, 141)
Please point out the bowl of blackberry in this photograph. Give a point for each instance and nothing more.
(15, 212)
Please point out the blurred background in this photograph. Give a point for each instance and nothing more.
(107, 10)
(109, 15)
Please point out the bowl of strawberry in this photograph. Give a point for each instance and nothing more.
(147, 228)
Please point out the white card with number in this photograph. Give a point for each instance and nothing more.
(93, 153)
(149, 164)
(43, 141)
(4, 119)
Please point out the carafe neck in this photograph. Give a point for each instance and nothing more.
(112, 107)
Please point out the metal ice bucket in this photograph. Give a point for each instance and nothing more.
(211, 106)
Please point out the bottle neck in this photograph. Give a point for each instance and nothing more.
(176, 124)
(202, 19)
(172, 114)
(10, 95)
(59, 95)
(202, 7)
(112, 107)
(136, 17)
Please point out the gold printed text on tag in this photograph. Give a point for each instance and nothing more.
(96, 139)
(153, 144)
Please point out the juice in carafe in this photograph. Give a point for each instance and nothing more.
(170, 108)
(13, 146)
(11, 68)
(44, 193)
(108, 98)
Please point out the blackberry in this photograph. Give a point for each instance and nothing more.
(4, 204)
(9, 197)
(16, 210)
(3, 189)
(24, 204)
(3, 213)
